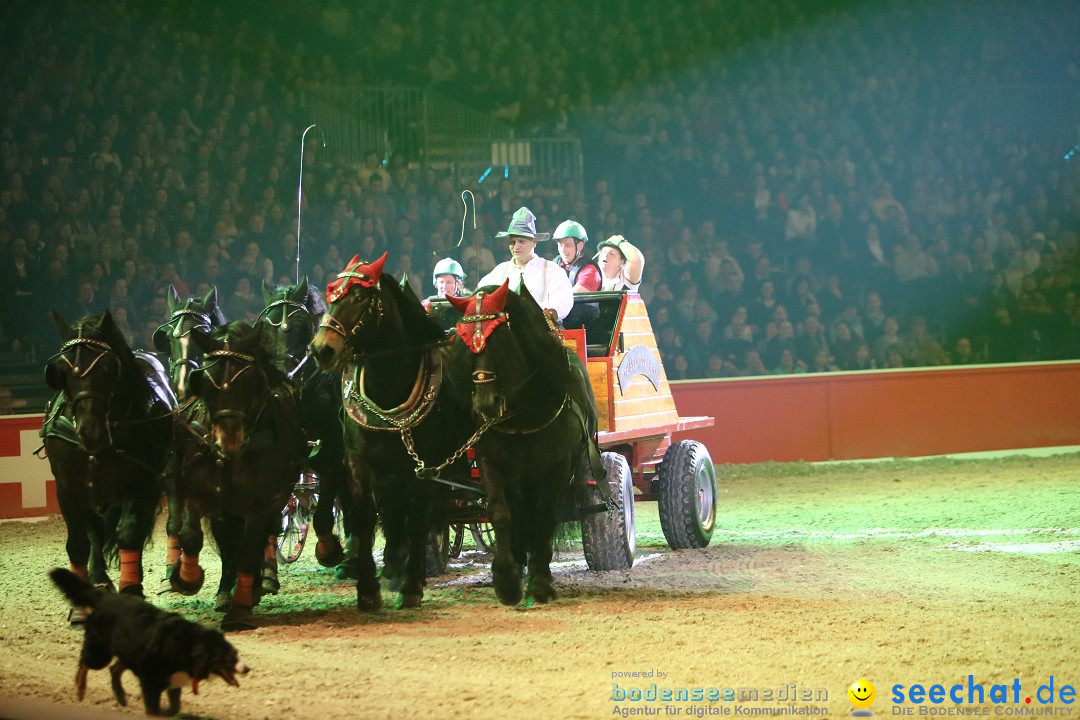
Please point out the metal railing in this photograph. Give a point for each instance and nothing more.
(435, 131)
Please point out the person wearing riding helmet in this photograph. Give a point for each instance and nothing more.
(621, 264)
(546, 281)
(584, 274)
(448, 277)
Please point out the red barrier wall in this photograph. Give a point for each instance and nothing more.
(882, 413)
(836, 416)
(26, 485)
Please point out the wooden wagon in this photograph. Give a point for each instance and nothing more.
(637, 417)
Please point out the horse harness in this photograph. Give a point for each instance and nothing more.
(175, 327)
(59, 425)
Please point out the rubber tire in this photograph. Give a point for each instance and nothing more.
(608, 539)
(438, 552)
(686, 495)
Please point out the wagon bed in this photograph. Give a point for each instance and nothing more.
(637, 413)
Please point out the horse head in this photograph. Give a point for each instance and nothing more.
(498, 326)
(234, 381)
(93, 371)
(293, 312)
(354, 309)
(174, 336)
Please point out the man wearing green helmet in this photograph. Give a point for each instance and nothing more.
(584, 274)
(448, 277)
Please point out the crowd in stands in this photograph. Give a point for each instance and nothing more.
(816, 186)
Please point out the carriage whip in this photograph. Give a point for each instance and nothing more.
(300, 192)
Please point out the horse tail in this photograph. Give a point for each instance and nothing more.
(110, 536)
(110, 540)
(77, 589)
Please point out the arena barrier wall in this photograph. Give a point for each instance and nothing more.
(27, 488)
(832, 416)
(885, 413)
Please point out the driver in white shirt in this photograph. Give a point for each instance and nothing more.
(546, 281)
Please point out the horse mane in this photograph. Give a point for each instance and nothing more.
(314, 301)
(215, 313)
(419, 326)
(212, 309)
(94, 326)
(539, 351)
(263, 346)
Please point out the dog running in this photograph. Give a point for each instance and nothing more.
(163, 650)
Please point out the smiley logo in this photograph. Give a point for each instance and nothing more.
(862, 694)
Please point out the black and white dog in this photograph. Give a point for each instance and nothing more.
(165, 651)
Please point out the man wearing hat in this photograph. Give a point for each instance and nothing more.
(546, 281)
(584, 274)
(621, 264)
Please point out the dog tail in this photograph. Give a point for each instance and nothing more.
(79, 591)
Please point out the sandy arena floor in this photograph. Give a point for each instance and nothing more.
(900, 572)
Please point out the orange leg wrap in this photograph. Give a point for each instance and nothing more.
(172, 552)
(242, 596)
(80, 571)
(270, 553)
(130, 560)
(190, 572)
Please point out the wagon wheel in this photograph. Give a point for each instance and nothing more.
(438, 551)
(686, 486)
(608, 538)
(483, 535)
(295, 521)
(457, 538)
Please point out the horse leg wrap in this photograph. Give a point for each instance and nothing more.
(190, 572)
(243, 595)
(172, 551)
(130, 561)
(80, 570)
(270, 551)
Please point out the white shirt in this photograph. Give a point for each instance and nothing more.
(618, 282)
(547, 283)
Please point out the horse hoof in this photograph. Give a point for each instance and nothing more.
(507, 581)
(238, 620)
(393, 575)
(270, 586)
(77, 616)
(508, 594)
(408, 601)
(541, 591)
(105, 585)
(165, 586)
(330, 552)
(369, 603)
(347, 570)
(136, 590)
(222, 601)
(187, 588)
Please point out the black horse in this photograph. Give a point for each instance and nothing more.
(293, 312)
(245, 450)
(173, 338)
(106, 433)
(533, 404)
(400, 425)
